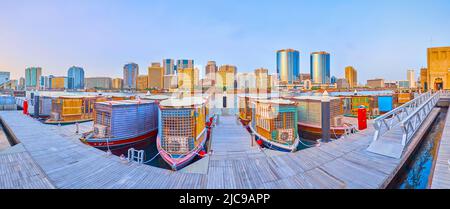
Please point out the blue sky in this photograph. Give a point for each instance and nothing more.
(379, 38)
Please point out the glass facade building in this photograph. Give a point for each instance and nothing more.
(75, 78)
(130, 75)
(288, 65)
(169, 66)
(320, 68)
(32, 77)
(184, 64)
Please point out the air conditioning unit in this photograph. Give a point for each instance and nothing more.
(375, 111)
(100, 131)
(55, 116)
(337, 121)
(285, 135)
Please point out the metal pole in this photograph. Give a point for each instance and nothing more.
(326, 126)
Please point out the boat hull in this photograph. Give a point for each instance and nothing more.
(314, 132)
(181, 162)
(52, 122)
(274, 145)
(116, 142)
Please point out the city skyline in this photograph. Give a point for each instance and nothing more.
(353, 32)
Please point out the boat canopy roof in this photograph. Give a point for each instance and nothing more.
(76, 97)
(125, 102)
(155, 97)
(187, 102)
(317, 98)
(276, 101)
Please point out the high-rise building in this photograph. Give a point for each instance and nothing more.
(117, 83)
(375, 83)
(32, 76)
(45, 82)
(410, 76)
(320, 68)
(439, 68)
(404, 84)
(246, 81)
(75, 78)
(424, 79)
(262, 80)
(156, 76)
(305, 76)
(288, 65)
(169, 66)
(21, 83)
(333, 79)
(351, 76)
(170, 82)
(226, 77)
(211, 71)
(184, 63)
(130, 75)
(58, 83)
(103, 83)
(142, 82)
(342, 83)
(187, 78)
(4, 77)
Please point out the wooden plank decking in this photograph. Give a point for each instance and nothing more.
(441, 174)
(67, 163)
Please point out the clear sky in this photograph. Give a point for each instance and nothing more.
(379, 38)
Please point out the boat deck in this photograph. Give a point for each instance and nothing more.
(65, 162)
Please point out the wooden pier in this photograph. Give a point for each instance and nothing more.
(55, 158)
(441, 174)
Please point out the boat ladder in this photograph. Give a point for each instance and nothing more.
(135, 155)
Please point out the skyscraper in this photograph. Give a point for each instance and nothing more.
(98, 83)
(32, 77)
(187, 78)
(410, 76)
(184, 63)
(351, 76)
(262, 80)
(130, 76)
(320, 68)
(226, 77)
(4, 77)
(211, 71)
(45, 82)
(156, 76)
(288, 65)
(75, 78)
(117, 83)
(169, 66)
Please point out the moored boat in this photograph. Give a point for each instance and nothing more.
(182, 130)
(118, 123)
(310, 117)
(72, 109)
(274, 124)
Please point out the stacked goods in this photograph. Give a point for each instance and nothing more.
(126, 119)
(404, 98)
(7, 102)
(385, 103)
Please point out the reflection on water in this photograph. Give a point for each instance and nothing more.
(417, 173)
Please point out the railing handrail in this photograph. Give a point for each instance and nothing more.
(387, 120)
(425, 108)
